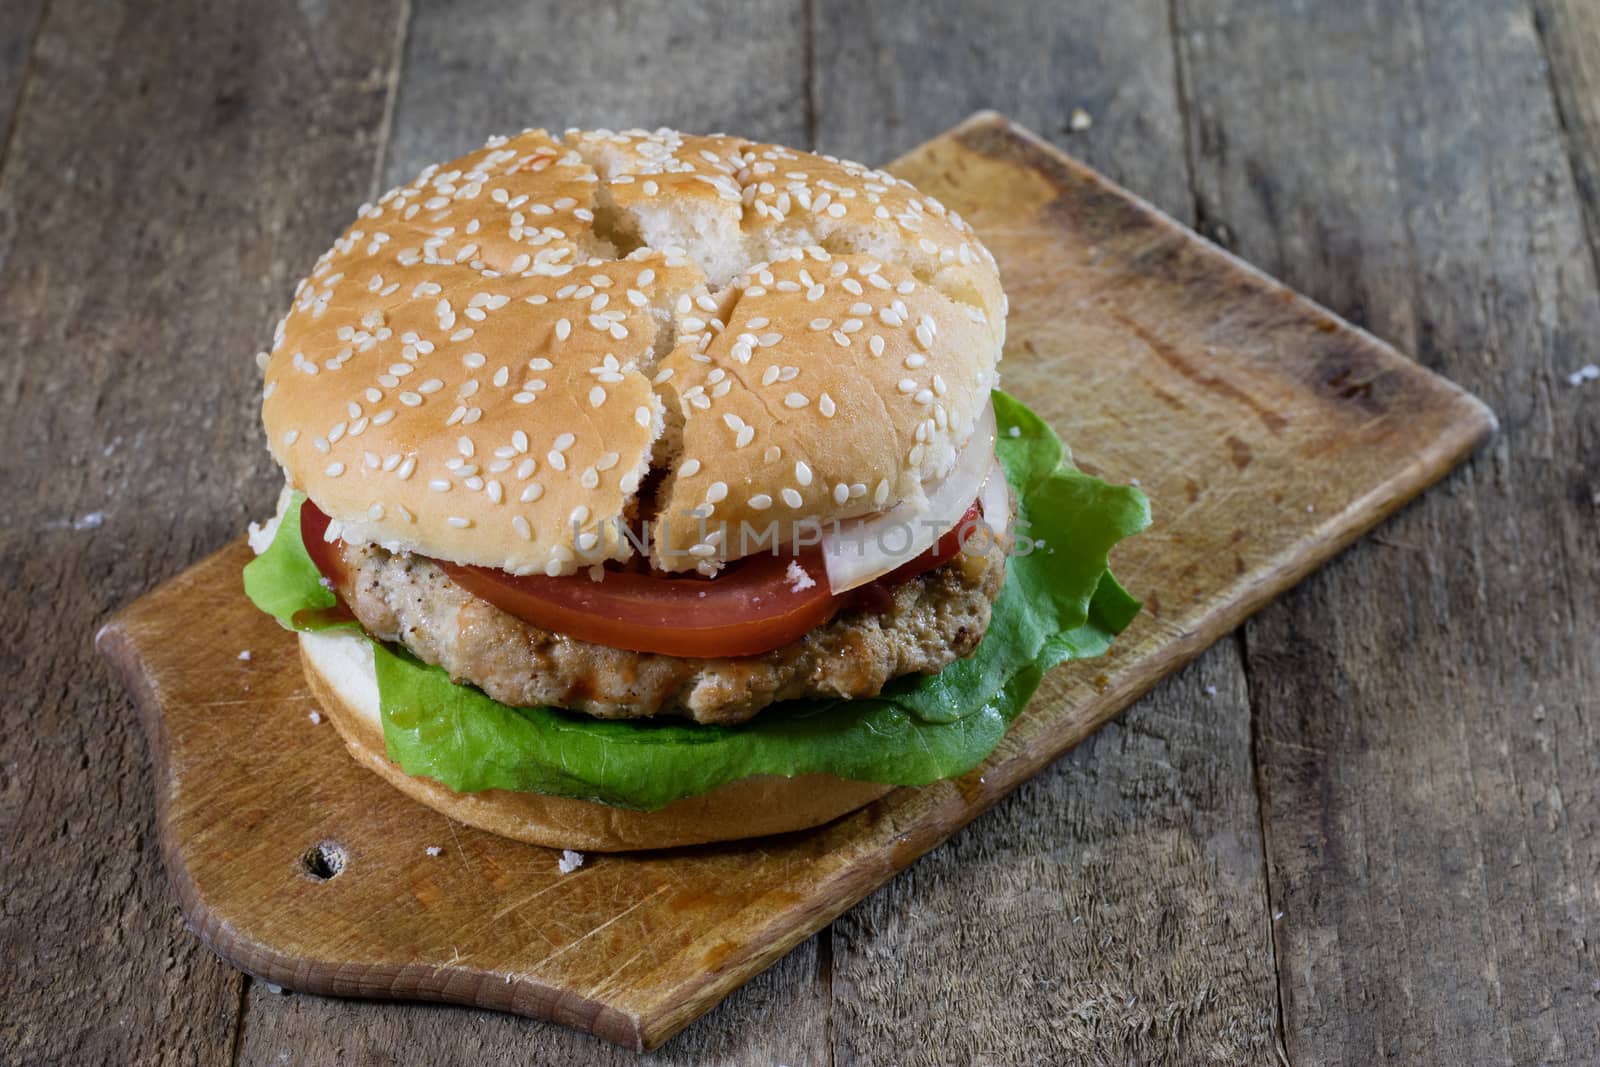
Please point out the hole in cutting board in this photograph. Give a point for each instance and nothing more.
(323, 861)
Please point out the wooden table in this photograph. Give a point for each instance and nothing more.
(1365, 827)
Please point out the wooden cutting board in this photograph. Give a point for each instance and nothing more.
(1267, 432)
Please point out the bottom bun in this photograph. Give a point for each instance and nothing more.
(338, 667)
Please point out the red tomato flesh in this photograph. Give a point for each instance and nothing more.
(751, 607)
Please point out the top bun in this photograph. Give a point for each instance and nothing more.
(488, 363)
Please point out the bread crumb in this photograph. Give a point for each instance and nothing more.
(316, 718)
(273, 987)
(797, 577)
(1211, 690)
(570, 861)
(1081, 120)
(1015, 431)
(92, 521)
(433, 850)
(1586, 373)
(1133, 482)
(245, 655)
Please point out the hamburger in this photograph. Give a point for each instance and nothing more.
(647, 489)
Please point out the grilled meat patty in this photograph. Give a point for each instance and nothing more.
(931, 620)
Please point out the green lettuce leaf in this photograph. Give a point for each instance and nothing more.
(1059, 602)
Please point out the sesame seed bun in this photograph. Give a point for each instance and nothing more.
(487, 365)
(338, 668)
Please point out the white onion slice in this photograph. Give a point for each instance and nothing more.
(995, 501)
(857, 551)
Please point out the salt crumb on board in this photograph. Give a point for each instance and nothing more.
(570, 861)
(433, 850)
(245, 655)
(316, 718)
(1587, 373)
(1080, 120)
(1211, 690)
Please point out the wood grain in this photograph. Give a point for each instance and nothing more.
(1425, 706)
(474, 68)
(167, 172)
(1569, 33)
(1096, 869)
(1273, 435)
(17, 32)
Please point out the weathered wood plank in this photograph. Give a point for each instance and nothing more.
(1570, 33)
(890, 76)
(171, 169)
(18, 28)
(1424, 705)
(471, 70)
(1114, 907)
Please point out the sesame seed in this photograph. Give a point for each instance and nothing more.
(826, 406)
(333, 470)
(796, 400)
(531, 492)
(716, 492)
(439, 485)
(458, 522)
(841, 493)
(641, 415)
(520, 524)
(802, 472)
(760, 502)
(791, 497)
(597, 396)
(689, 469)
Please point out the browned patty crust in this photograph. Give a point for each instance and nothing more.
(932, 620)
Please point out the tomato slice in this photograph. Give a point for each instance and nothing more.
(752, 606)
